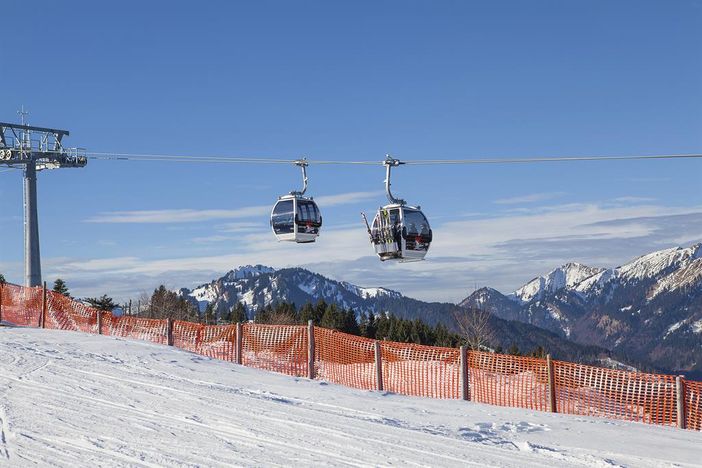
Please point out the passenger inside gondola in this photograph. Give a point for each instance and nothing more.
(308, 217)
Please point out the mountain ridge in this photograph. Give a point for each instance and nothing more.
(650, 307)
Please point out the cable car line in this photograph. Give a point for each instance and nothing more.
(552, 159)
(418, 162)
(174, 158)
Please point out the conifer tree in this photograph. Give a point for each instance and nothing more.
(264, 315)
(367, 326)
(332, 318)
(61, 288)
(210, 315)
(238, 313)
(307, 313)
(103, 302)
(350, 323)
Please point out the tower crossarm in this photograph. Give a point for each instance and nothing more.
(24, 144)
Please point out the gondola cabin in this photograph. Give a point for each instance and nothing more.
(400, 232)
(296, 219)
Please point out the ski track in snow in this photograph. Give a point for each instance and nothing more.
(70, 399)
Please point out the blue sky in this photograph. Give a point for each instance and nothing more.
(350, 81)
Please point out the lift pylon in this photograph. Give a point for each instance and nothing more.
(34, 149)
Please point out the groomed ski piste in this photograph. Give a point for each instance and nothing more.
(73, 399)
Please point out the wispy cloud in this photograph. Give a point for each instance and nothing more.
(347, 198)
(213, 239)
(238, 227)
(499, 251)
(188, 215)
(176, 216)
(632, 199)
(530, 198)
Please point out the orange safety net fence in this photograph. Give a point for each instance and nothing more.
(504, 380)
(693, 405)
(21, 306)
(408, 369)
(279, 348)
(127, 326)
(428, 371)
(215, 341)
(63, 313)
(633, 396)
(344, 359)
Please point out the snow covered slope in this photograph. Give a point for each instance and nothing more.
(71, 399)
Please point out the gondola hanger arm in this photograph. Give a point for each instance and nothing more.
(302, 163)
(389, 163)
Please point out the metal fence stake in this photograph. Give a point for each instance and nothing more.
(378, 365)
(310, 350)
(169, 331)
(680, 397)
(239, 342)
(551, 385)
(42, 317)
(465, 384)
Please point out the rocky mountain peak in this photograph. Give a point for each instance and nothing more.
(247, 271)
(566, 276)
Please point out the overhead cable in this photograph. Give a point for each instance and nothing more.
(423, 162)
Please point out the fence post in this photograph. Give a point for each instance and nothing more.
(378, 365)
(551, 385)
(239, 342)
(310, 349)
(169, 331)
(2, 289)
(99, 322)
(680, 397)
(42, 317)
(465, 384)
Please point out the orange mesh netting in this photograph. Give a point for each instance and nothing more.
(21, 306)
(407, 368)
(279, 348)
(344, 359)
(215, 341)
(417, 370)
(127, 326)
(596, 391)
(504, 380)
(64, 313)
(186, 335)
(693, 405)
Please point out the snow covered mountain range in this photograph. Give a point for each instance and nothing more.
(649, 308)
(258, 286)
